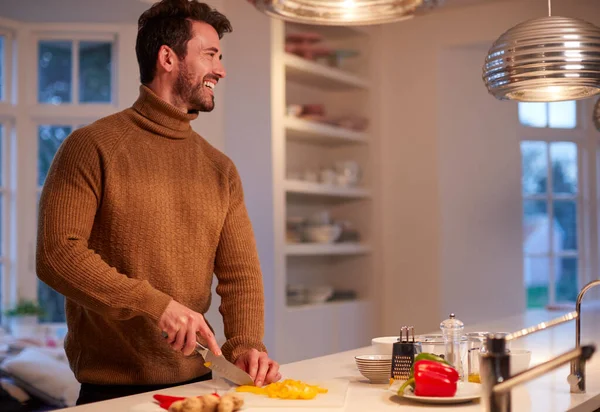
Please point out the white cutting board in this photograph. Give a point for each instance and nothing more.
(334, 398)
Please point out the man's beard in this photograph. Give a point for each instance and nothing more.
(192, 95)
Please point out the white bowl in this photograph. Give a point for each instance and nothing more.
(384, 345)
(319, 294)
(519, 360)
(323, 233)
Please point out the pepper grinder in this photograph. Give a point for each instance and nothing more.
(452, 330)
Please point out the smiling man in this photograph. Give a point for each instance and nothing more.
(137, 213)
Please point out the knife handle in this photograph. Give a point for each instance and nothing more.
(201, 349)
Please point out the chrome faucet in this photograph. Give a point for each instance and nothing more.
(494, 368)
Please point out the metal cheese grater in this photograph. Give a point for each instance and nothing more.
(403, 354)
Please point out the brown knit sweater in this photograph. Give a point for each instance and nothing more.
(138, 209)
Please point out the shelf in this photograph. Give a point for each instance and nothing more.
(331, 304)
(299, 129)
(300, 187)
(322, 249)
(306, 72)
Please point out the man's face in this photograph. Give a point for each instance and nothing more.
(200, 71)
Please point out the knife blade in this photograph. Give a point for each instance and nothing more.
(225, 368)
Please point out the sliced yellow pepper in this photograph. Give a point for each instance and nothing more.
(287, 389)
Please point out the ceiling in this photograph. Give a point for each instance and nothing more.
(108, 11)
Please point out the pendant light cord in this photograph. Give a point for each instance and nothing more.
(549, 7)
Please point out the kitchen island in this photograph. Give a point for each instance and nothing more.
(549, 393)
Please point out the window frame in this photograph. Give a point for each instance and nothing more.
(72, 114)
(22, 112)
(34, 114)
(8, 292)
(7, 103)
(588, 161)
(75, 109)
(8, 115)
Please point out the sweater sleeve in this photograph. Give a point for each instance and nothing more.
(240, 286)
(67, 208)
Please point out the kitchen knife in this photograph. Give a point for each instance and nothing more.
(225, 368)
(221, 365)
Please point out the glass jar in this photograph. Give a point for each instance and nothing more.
(452, 331)
(476, 346)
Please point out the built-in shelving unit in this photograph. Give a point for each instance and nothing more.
(306, 145)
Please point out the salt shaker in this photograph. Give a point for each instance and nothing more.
(452, 331)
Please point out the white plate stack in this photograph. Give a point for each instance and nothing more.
(376, 368)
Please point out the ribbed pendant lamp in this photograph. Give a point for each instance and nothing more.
(339, 12)
(546, 59)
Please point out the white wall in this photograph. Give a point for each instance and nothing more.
(450, 164)
(481, 274)
(247, 133)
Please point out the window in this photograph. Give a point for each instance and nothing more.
(2, 75)
(559, 115)
(71, 83)
(6, 130)
(50, 137)
(551, 203)
(3, 210)
(74, 72)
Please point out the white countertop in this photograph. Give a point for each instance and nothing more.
(549, 393)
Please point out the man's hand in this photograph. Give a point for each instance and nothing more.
(259, 367)
(181, 324)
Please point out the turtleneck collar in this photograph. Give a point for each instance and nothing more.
(160, 117)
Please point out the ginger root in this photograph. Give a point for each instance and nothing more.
(176, 406)
(211, 403)
(229, 402)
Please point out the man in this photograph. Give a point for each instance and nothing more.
(137, 213)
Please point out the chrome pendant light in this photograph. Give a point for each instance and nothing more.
(339, 12)
(545, 60)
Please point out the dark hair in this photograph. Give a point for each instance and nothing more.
(169, 22)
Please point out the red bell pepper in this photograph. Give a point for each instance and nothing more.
(435, 379)
(165, 401)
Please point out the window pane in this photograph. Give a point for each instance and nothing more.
(535, 227)
(567, 282)
(49, 140)
(534, 167)
(1, 283)
(95, 72)
(1, 67)
(533, 114)
(2, 220)
(2, 131)
(55, 72)
(563, 115)
(564, 167)
(565, 227)
(2, 208)
(52, 302)
(536, 281)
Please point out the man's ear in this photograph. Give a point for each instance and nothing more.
(167, 59)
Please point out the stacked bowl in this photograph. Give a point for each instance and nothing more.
(376, 368)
